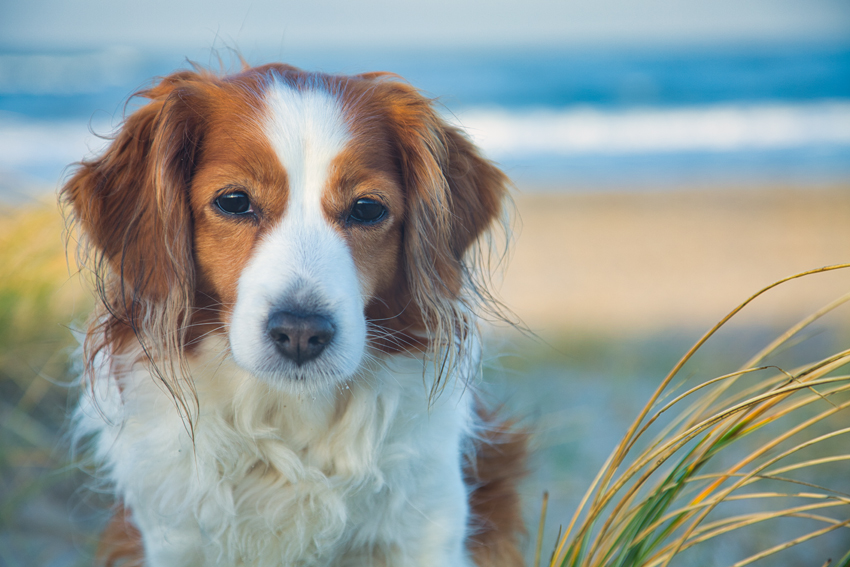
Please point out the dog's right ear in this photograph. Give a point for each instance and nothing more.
(131, 203)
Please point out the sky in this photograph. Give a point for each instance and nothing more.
(167, 25)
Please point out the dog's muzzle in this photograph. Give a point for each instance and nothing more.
(300, 337)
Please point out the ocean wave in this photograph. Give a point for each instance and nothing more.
(39, 150)
(588, 141)
(717, 128)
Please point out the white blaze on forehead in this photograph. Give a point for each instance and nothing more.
(302, 265)
(307, 129)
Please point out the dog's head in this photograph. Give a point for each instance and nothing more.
(312, 218)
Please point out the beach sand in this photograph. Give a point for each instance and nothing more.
(633, 263)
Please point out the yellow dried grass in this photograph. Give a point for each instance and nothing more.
(644, 509)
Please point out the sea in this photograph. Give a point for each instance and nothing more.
(556, 119)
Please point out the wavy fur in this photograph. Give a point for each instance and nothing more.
(349, 459)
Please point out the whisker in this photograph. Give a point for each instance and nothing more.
(397, 315)
(201, 337)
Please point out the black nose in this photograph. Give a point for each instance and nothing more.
(300, 338)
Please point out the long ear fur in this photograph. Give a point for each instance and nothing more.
(131, 208)
(453, 196)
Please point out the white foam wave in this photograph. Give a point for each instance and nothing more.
(28, 144)
(42, 148)
(723, 128)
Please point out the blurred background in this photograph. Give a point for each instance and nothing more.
(670, 158)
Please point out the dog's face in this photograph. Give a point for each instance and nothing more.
(312, 218)
(298, 229)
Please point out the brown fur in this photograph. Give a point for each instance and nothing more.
(453, 195)
(499, 464)
(121, 543)
(158, 253)
(167, 265)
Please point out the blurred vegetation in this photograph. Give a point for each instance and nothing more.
(38, 301)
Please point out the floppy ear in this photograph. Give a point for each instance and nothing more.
(453, 195)
(131, 204)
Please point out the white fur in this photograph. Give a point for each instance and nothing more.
(303, 260)
(356, 469)
(362, 475)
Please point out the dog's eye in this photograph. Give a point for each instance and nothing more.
(236, 203)
(367, 211)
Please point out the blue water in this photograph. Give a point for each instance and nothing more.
(85, 88)
(513, 79)
(627, 78)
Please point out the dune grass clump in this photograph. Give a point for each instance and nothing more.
(743, 451)
(38, 300)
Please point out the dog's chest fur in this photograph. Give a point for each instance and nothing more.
(367, 475)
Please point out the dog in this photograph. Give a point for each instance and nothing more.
(282, 366)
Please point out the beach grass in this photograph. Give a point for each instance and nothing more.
(661, 494)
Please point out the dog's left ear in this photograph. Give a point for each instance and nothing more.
(476, 186)
(453, 196)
